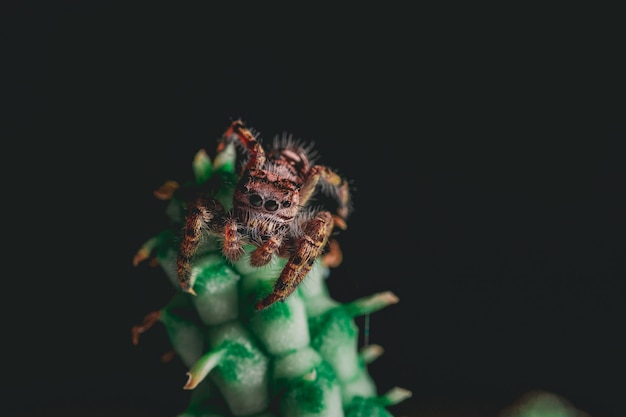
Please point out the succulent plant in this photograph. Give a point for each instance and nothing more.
(296, 358)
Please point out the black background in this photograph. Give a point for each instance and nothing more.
(485, 147)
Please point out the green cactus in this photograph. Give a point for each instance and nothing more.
(296, 358)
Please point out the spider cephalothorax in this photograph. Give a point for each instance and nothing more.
(270, 210)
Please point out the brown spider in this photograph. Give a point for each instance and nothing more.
(271, 209)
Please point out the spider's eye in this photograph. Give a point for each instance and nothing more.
(286, 204)
(255, 200)
(271, 205)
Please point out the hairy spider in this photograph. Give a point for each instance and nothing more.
(272, 210)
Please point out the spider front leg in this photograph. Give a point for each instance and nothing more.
(232, 247)
(263, 254)
(203, 213)
(244, 135)
(308, 248)
(332, 184)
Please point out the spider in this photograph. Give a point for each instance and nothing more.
(272, 210)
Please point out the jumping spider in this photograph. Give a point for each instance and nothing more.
(271, 209)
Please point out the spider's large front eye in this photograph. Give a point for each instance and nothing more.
(255, 200)
(271, 205)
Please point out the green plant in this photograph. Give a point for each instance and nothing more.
(296, 358)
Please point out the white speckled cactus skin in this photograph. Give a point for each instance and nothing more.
(297, 358)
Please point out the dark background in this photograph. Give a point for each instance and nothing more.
(485, 147)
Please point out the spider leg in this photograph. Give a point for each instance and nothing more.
(263, 254)
(203, 213)
(334, 256)
(308, 248)
(332, 183)
(257, 154)
(232, 247)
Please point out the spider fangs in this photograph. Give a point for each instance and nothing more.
(271, 210)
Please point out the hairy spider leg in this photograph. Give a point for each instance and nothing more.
(257, 154)
(263, 254)
(333, 257)
(232, 247)
(203, 213)
(308, 248)
(338, 185)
